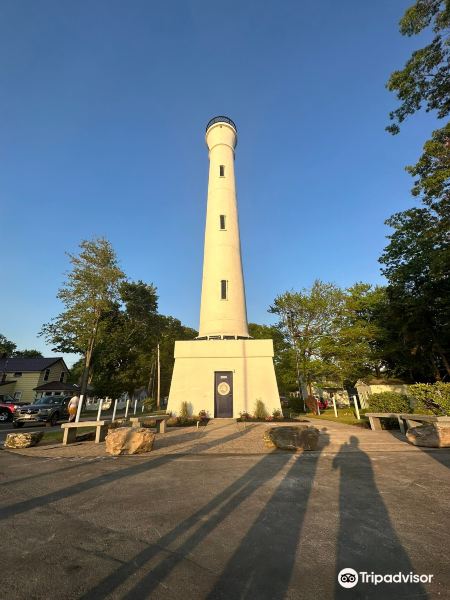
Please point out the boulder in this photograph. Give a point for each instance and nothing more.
(23, 440)
(299, 437)
(129, 440)
(429, 436)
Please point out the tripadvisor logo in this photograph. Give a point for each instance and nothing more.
(348, 578)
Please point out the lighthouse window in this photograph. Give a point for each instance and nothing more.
(222, 170)
(224, 289)
(222, 221)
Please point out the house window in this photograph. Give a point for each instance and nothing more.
(18, 374)
(17, 395)
(222, 170)
(46, 374)
(61, 377)
(224, 289)
(222, 221)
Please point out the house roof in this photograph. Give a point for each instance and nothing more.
(21, 364)
(375, 381)
(52, 386)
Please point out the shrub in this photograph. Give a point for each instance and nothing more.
(389, 402)
(260, 410)
(184, 412)
(245, 416)
(276, 414)
(431, 397)
(202, 416)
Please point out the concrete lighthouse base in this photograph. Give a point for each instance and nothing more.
(223, 377)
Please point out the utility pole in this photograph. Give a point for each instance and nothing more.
(158, 393)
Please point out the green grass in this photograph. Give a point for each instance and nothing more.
(57, 436)
(345, 416)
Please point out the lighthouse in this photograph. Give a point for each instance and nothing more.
(223, 371)
(223, 310)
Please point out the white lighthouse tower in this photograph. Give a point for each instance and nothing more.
(223, 371)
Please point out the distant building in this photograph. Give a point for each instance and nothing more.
(375, 385)
(23, 378)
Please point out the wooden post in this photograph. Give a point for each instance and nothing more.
(100, 406)
(135, 407)
(334, 406)
(114, 409)
(143, 406)
(356, 408)
(126, 408)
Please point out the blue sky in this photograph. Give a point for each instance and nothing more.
(103, 108)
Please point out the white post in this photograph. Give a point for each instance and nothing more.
(334, 406)
(318, 407)
(126, 409)
(158, 392)
(356, 408)
(114, 409)
(80, 404)
(100, 406)
(143, 406)
(135, 406)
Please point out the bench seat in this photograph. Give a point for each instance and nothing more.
(70, 430)
(412, 420)
(160, 421)
(375, 420)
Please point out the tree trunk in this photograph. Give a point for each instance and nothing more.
(441, 353)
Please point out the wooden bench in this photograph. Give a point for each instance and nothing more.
(375, 420)
(412, 420)
(160, 421)
(70, 430)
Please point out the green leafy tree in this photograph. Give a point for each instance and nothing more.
(89, 294)
(416, 264)
(417, 258)
(28, 353)
(358, 344)
(424, 80)
(309, 321)
(122, 357)
(7, 347)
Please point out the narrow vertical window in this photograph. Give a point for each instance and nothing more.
(224, 289)
(222, 221)
(222, 170)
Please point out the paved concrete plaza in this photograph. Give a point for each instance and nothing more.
(213, 514)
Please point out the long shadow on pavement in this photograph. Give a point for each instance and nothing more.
(217, 510)
(104, 479)
(284, 525)
(262, 565)
(367, 539)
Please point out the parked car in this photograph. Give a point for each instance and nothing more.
(48, 409)
(8, 405)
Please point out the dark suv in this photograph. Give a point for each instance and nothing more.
(48, 409)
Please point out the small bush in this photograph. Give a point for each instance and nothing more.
(202, 416)
(260, 410)
(276, 414)
(389, 402)
(184, 412)
(433, 398)
(245, 416)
